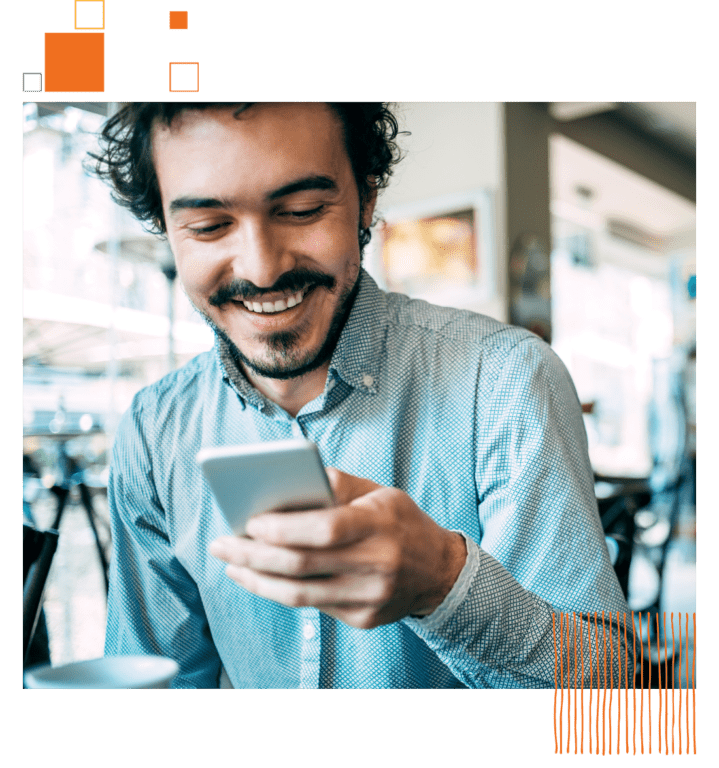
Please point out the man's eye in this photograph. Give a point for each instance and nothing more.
(305, 214)
(207, 230)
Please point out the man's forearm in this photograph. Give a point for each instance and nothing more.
(503, 635)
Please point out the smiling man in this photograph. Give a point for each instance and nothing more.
(464, 509)
(267, 247)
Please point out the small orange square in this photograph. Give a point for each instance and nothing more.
(74, 61)
(178, 19)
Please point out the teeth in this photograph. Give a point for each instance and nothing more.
(269, 307)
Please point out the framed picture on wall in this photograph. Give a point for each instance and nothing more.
(440, 250)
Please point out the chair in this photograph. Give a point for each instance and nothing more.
(618, 502)
(38, 550)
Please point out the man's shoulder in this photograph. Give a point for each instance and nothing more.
(460, 325)
(189, 380)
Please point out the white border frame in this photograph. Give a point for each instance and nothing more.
(481, 202)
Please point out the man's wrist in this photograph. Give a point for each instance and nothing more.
(452, 562)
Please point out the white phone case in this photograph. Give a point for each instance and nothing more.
(249, 479)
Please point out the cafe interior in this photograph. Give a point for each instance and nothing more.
(575, 220)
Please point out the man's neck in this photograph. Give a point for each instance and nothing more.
(290, 394)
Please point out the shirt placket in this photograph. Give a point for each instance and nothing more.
(310, 654)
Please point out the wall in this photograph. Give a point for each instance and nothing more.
(454, 147)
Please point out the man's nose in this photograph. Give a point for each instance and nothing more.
(260, 254)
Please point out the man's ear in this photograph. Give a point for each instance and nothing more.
(368, 202)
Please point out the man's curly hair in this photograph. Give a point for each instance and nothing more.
(125, 156)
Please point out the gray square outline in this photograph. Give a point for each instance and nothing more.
(25, 90)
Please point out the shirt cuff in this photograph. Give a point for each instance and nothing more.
(455, 597)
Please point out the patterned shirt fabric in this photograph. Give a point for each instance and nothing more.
(477, 421)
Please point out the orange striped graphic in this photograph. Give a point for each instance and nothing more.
(666, 689)
(611, 680)
(626, 684)
(649, 626)
(554, 635)
(686, 657)
(561, 678)
(694, 647)
(596, 640)
(641, 684)
(574, 623)
(680, 686)
(634, 691)
(605, 650)
(619, 695)
(659, 669)
(569, 702)
(604, 700)
(673, 681)
(581, 654)
(591, 666)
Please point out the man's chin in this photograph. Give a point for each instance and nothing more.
(283, 368)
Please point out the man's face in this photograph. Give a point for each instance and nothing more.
(263, 216)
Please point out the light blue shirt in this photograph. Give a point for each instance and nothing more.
(477, 421)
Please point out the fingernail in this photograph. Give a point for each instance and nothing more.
(217, 549)
(254, 527)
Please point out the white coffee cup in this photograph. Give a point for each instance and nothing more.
(107, 672)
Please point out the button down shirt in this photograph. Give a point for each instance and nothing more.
(477, 421)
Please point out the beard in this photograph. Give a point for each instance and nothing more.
(287, 360)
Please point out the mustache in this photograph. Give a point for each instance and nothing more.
(290, 282)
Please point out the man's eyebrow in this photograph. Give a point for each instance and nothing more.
(301, 185)
(191, 203)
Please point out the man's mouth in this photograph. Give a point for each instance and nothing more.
(279, 305)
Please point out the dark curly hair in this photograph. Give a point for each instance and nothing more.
(125, 156)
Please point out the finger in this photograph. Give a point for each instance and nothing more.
(318, 528)
(282, 561)
(229, 548)
(341, 591)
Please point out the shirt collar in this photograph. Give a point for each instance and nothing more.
(357, 358)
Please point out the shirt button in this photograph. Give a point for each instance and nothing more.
(308, 631)
(367, 380)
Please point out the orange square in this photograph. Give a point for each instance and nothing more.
(74, 61)
(178, 19)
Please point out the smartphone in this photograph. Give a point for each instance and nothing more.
(280, 475)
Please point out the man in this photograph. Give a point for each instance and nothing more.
(465, 510)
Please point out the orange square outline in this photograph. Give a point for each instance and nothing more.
(179, 21)
(178, 29)
(197, 64)
(103, 13)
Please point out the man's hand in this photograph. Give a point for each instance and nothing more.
(371, 560)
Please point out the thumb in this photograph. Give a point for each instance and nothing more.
(346, 488)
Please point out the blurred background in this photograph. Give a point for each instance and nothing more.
(576, 220)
